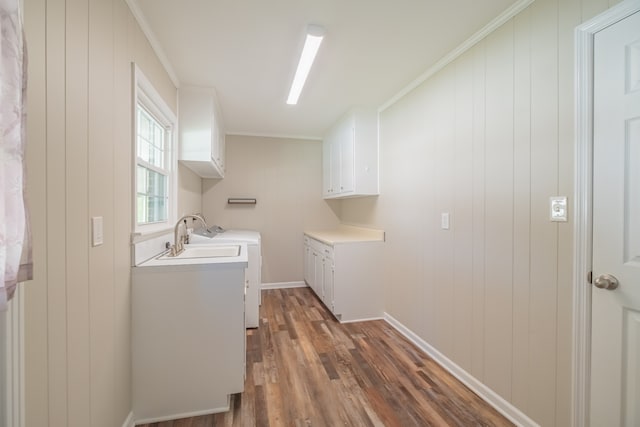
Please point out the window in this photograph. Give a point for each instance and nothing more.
(152, 171)
(155, 159)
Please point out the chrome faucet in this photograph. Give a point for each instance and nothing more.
(178, 239)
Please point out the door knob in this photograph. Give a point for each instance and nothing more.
(606, 281)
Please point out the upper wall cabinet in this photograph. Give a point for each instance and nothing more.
(350, 156)
(202, 144)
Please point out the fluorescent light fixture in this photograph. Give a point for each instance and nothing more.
(315, 33)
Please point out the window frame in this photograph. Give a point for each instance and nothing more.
(148, 97)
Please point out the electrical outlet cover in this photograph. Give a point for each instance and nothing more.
(558, 208)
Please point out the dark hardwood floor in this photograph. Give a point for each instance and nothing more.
(306, 369)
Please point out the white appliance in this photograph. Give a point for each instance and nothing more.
(253, 273)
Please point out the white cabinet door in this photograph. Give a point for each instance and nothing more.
(201, 132)
(221, 148)
(309, 264)
(326, 169)
(252, 282)
(347, 157)
(318, 277)
(350, 155)
(334, 171)
(327, 284)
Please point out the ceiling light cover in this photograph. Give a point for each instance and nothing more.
(315, 34)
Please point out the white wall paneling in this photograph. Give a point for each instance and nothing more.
(285, 176)
(77, 310)
(12, 363)
(487, 137)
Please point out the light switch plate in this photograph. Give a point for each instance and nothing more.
(558, 208)
(96, 231)
(444, 221)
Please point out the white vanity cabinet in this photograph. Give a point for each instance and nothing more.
(346, 276)
(202, 138)
(350, 156)
(188, 337)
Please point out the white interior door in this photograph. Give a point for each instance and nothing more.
(615, 355)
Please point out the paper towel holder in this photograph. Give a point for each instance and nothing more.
(241, 201)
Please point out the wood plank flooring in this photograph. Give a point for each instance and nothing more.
(306, 369)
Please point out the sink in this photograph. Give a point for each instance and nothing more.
(205, 252)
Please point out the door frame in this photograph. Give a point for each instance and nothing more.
(583, 194)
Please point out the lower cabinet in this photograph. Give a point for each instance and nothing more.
(314, 267)
(347, 277)
(188, 339)
(327, 282)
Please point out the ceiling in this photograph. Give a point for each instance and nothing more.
(248, 50)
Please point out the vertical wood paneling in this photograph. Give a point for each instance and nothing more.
(521, 261)
(77, 315)
(499, 210)
(444, 192)
(479, 232)
(79, 378)
(462, 225)
(101, 203)
(521, 208)
(568, 19)
(544, 179)
(36, 309)
(591, 8)
(56, 212)
(122, 184)
(190, 191)
(426, 128)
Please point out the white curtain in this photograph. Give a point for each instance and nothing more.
(15, 237)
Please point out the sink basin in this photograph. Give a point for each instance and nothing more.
(205, 252)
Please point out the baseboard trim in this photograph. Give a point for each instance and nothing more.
(367, 319)
(186, 414)
(492, 398)
(283, 285)
(129, 422)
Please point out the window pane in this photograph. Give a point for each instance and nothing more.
(152, 196)
(141, 180)
(141, 208)
(157, 209)
(151, 139)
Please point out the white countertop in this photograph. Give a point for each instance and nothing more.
(347, 234)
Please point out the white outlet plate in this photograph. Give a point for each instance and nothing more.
(444, 221)
(97, 235)
(558, 208)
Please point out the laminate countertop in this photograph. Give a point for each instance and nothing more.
(347, 234)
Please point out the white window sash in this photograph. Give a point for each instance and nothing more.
(145, 95)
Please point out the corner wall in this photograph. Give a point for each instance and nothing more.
(78, 308)
(285, 176)
(488, 139)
